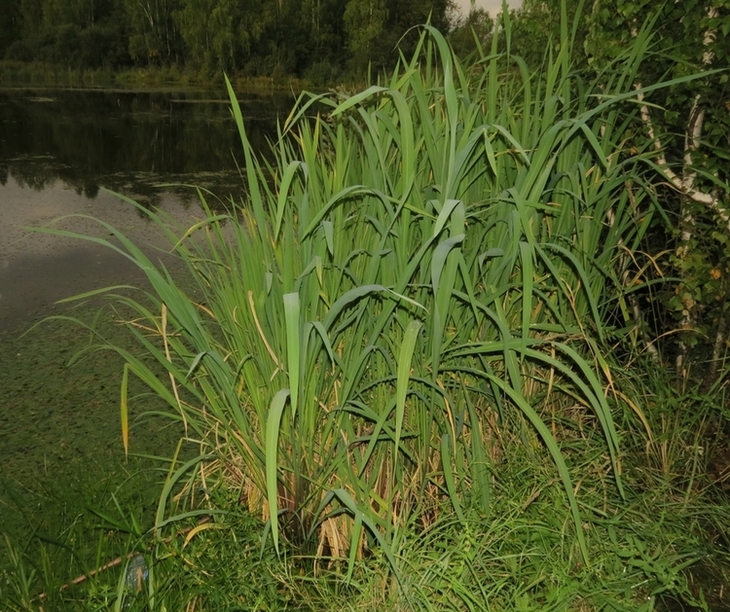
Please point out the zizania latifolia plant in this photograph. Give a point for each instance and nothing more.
(423, 264)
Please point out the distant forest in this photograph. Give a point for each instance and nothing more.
(320, 40)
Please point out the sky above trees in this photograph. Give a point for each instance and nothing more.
(491, 6)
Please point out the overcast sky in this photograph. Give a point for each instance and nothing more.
(492, 6)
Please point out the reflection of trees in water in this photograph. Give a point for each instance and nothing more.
(128, 142)
(146, 189)
(39, 173)
(36, 173)
(90, 190)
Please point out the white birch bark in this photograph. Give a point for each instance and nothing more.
(684, 183)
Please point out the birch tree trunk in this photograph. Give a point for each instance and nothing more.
(696, 201)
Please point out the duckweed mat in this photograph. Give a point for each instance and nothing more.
(61, 447)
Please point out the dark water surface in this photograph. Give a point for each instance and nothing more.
(60, 150)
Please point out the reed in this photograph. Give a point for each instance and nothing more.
(422, 263)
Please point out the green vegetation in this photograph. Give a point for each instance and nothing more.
(415, 362)
(685, 129)
(318, 40)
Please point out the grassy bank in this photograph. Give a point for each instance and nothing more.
(411, 366)
(35, 74)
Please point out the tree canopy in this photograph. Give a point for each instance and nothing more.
(319, 39)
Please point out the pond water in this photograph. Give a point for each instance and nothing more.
(60, 150)
(60, 153)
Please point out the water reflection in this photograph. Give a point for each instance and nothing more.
(59, 148)
(127, 141)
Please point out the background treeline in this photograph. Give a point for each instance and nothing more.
(317, 39)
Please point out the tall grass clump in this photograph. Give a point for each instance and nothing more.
(423, 265)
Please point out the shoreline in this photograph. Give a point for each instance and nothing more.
(20, 75)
